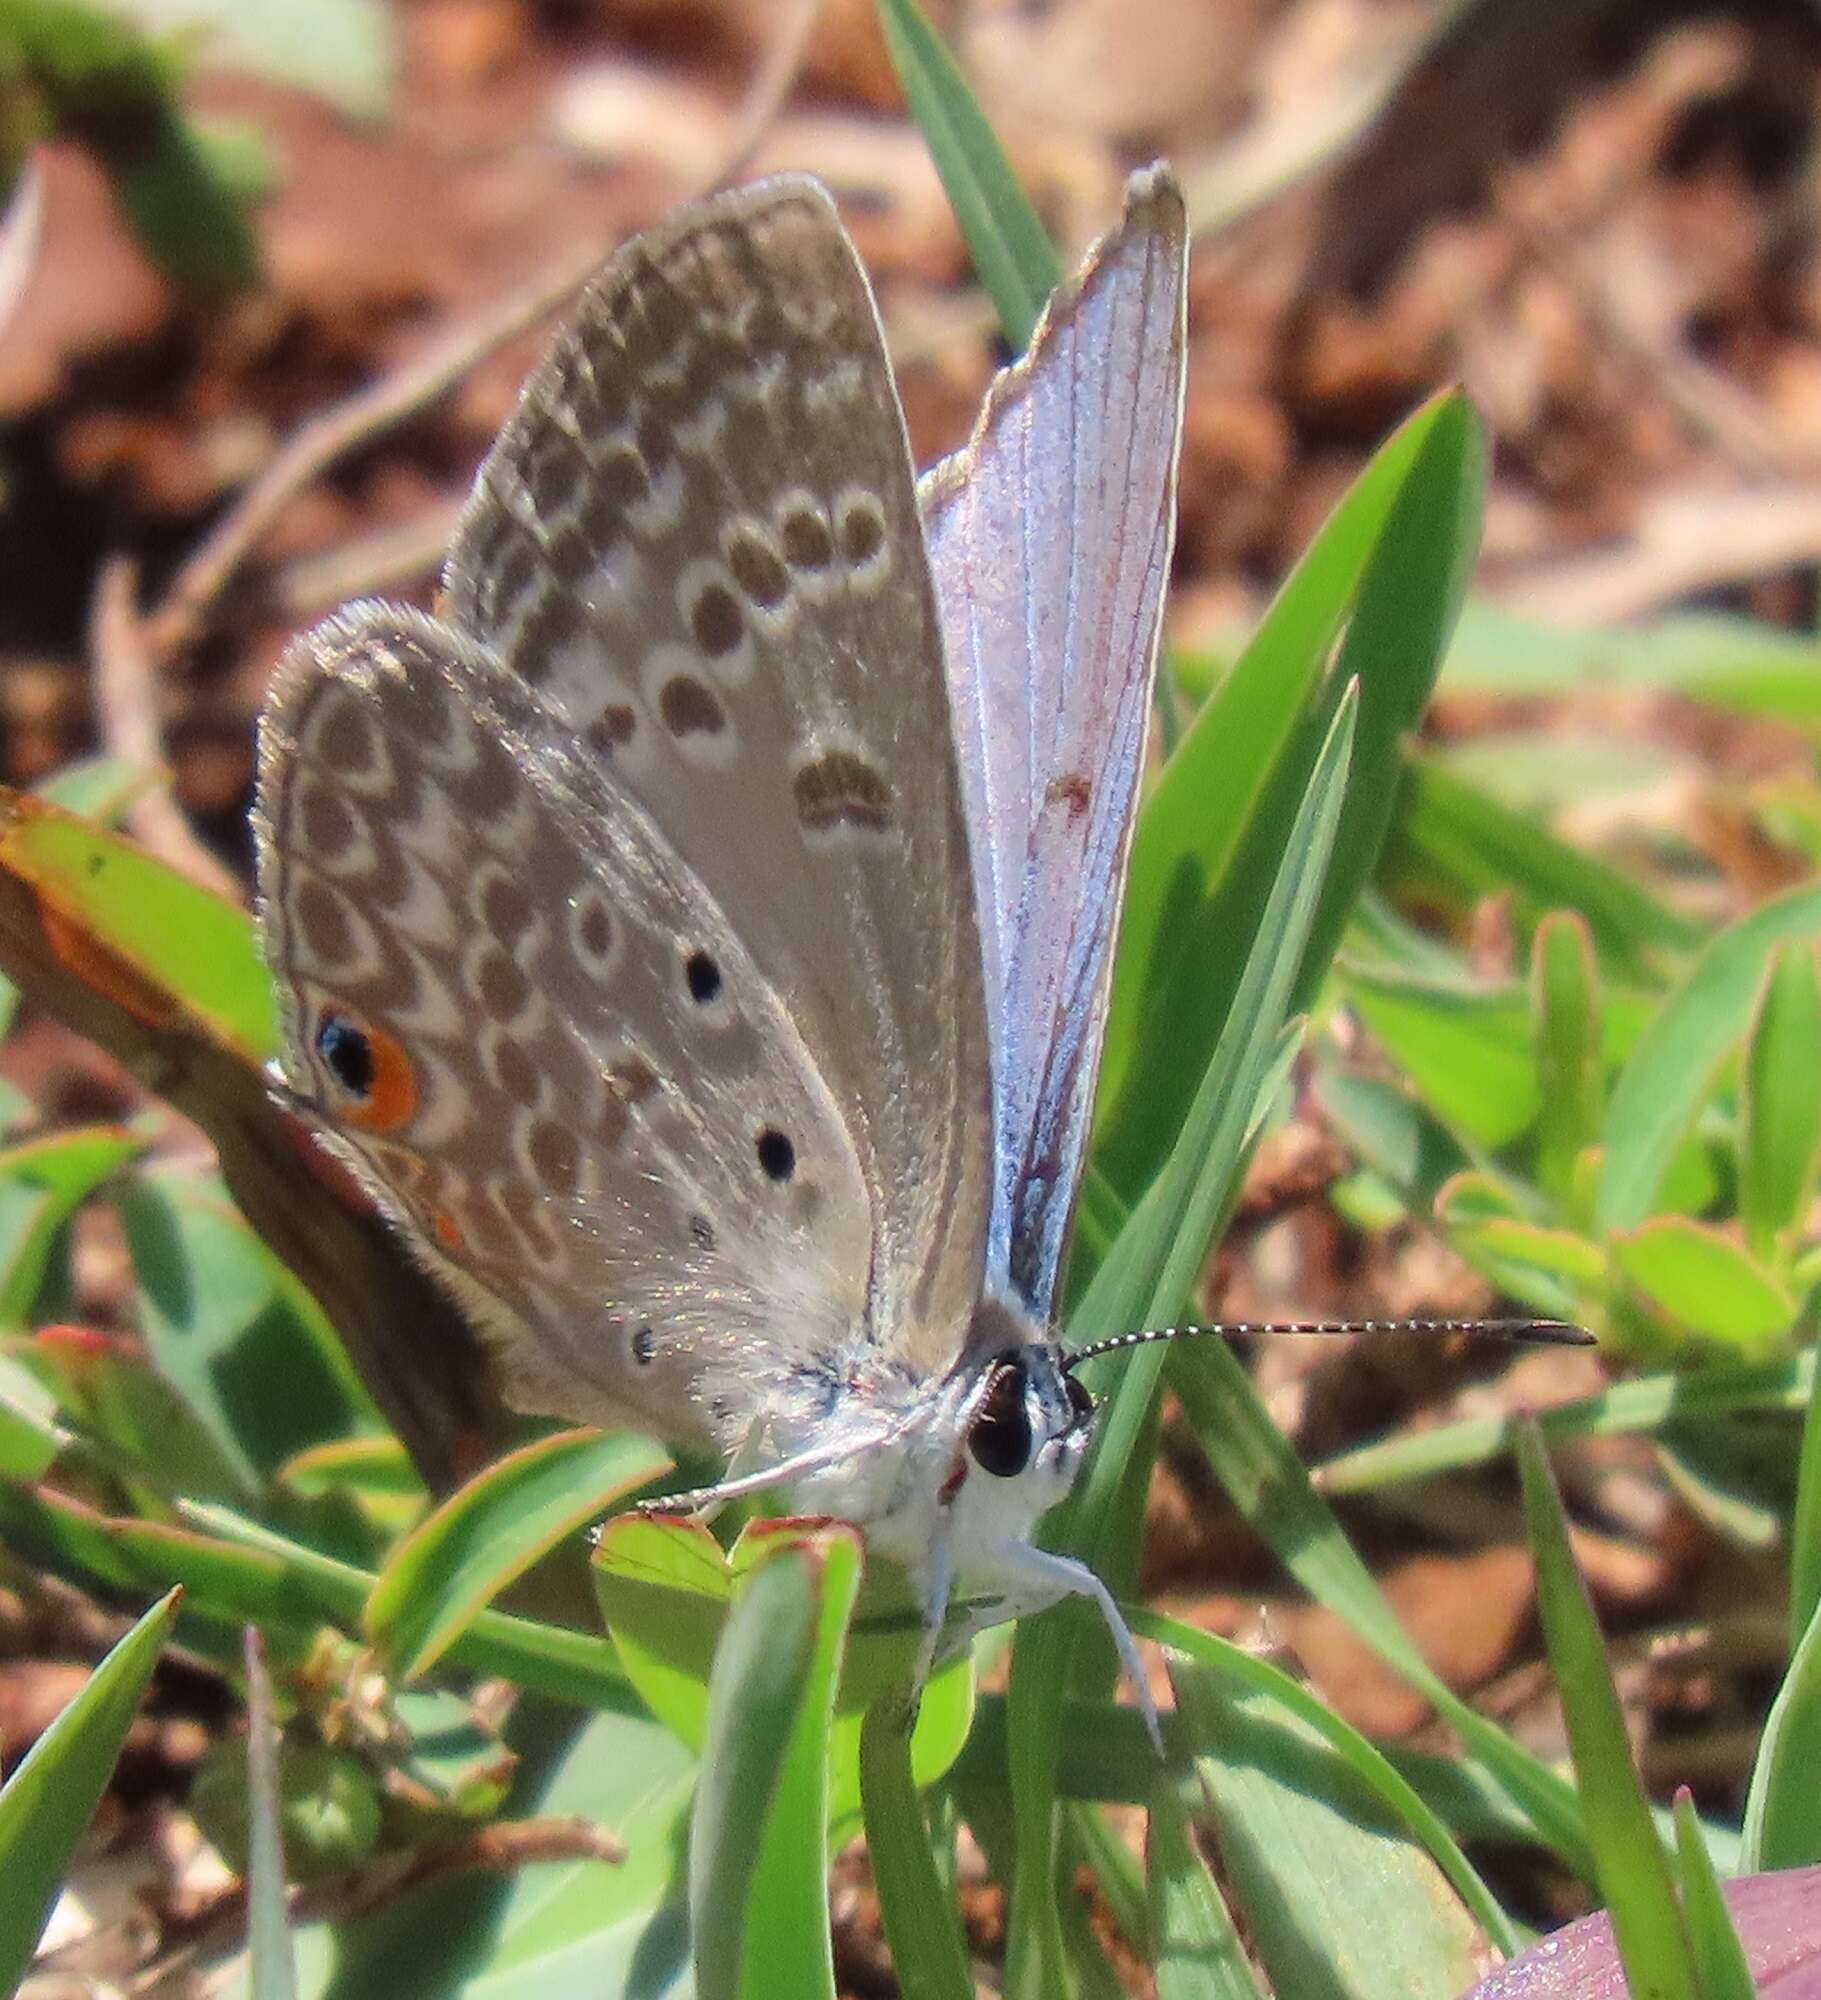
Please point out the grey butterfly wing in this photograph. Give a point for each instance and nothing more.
(539, 1042)
(698, 541)
(1050, 535)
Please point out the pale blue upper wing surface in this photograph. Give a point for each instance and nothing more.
(1050, 536)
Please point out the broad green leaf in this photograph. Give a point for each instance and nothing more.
(1198, 1955)
(1407, 1145)
(1783, 1802)
(1455, 843)
(922, 1925)
(1703, 1281)
(1647, 1403)
(1010, 248)
(492, 1530)
(1338, 1901)
(30, 1436)
(133, 928)
(1780, 1109)
(230, 1327)
(665, 1588)
(46, 1803)
(1467, 1049)
(1386, 570)
(1632, 1869)
(1670, 1071)
(758, 1844)
(1142, 1281)
(1721, 1970)
(268, 1926)
(1551, 1253)
(1564, 999)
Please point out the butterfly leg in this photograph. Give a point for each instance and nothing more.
(935, 1580)
(1064, 1576)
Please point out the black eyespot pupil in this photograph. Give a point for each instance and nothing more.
(644, 1345)
(704, 977)
(1000, 1435)
(777, 1156)
(1079, 1399)
(347, 1054)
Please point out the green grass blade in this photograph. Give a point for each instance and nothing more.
(1646, 1404)
(1198, 1955)
(1338, 1902)
(1633, 1871)
(274, 1970)
(758, 1879)
(1144, 1278)
(490, 1532)
(1720, 1958)
(1565, 1005)
(922, 1925)
(1783, 1801)
(1010, 247)
(47, 1801)
(1672, 1066)
(1781, 1100)
(1805, 1523)
(1386, 570)
(1269, 1485)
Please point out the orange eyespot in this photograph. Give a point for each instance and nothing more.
(448, 1231)
(377, 1086)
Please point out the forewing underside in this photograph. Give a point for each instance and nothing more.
(698, 542)
(1050, 536)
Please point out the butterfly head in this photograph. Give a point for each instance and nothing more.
(1028, 1416)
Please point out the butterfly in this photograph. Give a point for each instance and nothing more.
(696, 935)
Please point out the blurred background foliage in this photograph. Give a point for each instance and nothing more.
(269, 278)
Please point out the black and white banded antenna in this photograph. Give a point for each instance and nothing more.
(1540, 1332)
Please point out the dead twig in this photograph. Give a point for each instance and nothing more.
(369, 413)
(126, 706)
(220, 1926)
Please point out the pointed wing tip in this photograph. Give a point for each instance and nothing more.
(1154, 201)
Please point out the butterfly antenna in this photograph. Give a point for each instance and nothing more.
(1546, 1332)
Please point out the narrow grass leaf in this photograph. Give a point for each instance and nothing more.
(758, 1894)
(1783, 1801)
(1210, 836)
(492, 1531)
(1565, 1007)
(922, 1925)
(1339, 1904)
(1454, 843)
(1632, 1870)
(1197, 1954)
(1670, 1070)
(46, 1803)
(1805, 1520)
(1780, 1107)
(43, 1181)
(1011, 250)
(1646, 1404)
(273, 1969)
(1144, 1279)
(1720, 1961)
(1268, 1484)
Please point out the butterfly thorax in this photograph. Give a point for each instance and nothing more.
(972, 1460)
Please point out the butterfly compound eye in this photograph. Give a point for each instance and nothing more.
(1000, 1435)
(1079, 1400)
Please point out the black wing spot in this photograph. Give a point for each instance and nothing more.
(704, 977)
(347, 1053)
(644, 1346)
(777, 1156)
